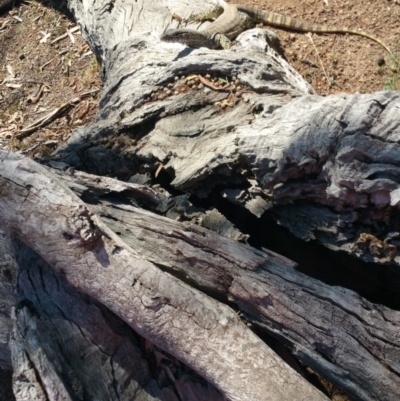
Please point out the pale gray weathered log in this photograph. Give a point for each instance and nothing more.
(333, 159)
(86, 351)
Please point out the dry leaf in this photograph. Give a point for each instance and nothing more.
(45, 37)
(10, 70)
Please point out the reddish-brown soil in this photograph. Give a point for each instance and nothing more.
(341, 63)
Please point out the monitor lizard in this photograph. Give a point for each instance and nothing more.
(232, 19)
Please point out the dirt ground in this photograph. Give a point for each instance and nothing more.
(334, 63)
(45, 63)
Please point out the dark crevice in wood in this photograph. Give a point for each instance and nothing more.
(333, 268)
(6, 392)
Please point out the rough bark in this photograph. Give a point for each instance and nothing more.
(199, 331)
(324, 167)
(308, 316)
(7, 296)
(86, 351)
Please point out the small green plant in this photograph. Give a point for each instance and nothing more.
(47, 16)
(13, 108)
(21, 28)
(392, 83)
(58, 31)
(393, 69)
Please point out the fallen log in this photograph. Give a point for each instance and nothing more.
(330, 329)
(309, 317)
(324, 167)
(199, 331)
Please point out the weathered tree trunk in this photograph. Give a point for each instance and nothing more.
(7, 296)
(201, 332)
(324, 167)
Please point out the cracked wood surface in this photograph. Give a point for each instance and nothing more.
(325, 168)
(331, 329)
(199, 331)
(86, 351)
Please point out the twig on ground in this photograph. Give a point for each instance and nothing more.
(320, 61)
(68, 33)
(41, 122)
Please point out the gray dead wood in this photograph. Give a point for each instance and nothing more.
(86, 352)
(199, 331)
(330, 329)
(7, 296)
(326, 168)
(308, 316)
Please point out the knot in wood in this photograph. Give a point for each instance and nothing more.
(82, 227)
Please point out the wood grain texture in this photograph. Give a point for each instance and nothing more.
(199, 331)
(325, 168)
(87, 351)
(331, 329)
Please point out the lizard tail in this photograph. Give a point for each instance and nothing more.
(283, 21)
